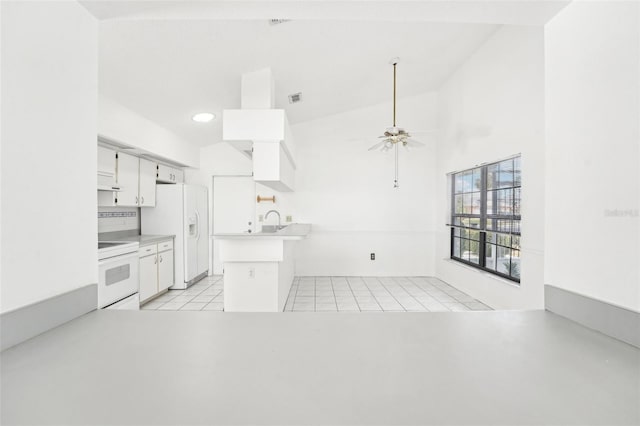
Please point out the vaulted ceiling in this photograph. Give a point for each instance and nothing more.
(169, 60)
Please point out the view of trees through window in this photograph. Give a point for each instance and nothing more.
(485, 219)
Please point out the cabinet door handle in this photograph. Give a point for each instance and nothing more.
(155, 260)
(160, 258)
(136, 199)
(142, 198)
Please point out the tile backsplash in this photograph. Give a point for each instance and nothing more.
(111, 219)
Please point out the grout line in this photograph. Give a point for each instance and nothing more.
(453, 297)
(291, 292)
(353, 294)
(374, 297)
(394, 297)
(412, 296)
(425, 292)
(335, 301)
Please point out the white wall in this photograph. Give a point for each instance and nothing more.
(347, 194)
(49, 110)
(491, 108)
(120, 124)
(593, 157)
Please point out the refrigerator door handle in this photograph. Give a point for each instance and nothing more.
(197, 225)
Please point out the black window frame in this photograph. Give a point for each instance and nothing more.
(481, 229)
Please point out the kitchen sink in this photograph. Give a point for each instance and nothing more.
(270, 229)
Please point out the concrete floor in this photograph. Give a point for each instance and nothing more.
(158, 367)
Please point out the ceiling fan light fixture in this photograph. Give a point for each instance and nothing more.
(394, 136)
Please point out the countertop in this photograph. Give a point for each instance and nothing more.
(143, 240)
(294, 231)
(286, 368)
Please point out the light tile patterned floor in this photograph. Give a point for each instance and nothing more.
(333, 294)
(205, 295)
(399, 294)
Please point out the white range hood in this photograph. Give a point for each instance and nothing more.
(109, 188)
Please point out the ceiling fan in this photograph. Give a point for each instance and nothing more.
(395, 136)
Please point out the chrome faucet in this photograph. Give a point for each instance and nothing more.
(276, 212)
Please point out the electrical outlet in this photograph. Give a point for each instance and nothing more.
(289, 219)
(373, 256)
(252, 273)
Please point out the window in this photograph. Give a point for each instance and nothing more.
(485, 217)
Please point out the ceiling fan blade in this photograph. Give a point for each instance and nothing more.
(426, 132)
(413, 143)
(377, 146)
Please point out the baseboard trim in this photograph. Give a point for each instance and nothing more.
(615, 321)
(28, 321)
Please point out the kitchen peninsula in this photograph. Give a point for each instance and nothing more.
(259, 268)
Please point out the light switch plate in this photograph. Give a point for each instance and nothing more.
(261, 218)
(289, 219)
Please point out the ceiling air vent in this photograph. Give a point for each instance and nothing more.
(278, 21)
(295, 98)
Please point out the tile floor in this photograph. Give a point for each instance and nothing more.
(399, 294)
(334, 294)
(205, 295)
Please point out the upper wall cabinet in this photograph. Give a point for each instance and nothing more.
(147, 183)
(167, 174)
(127, 179)
(106, 169)
(136, 178)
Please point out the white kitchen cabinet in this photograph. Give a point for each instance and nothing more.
(127, 178)
(148, 273)
(165, 270)
(178, 175)
(156, 269)
(168, 174)
(136, 178)
(147, 183)
(106, 167)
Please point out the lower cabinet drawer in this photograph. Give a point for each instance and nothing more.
(165, 245)
(147, 250)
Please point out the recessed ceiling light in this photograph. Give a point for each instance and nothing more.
(203, 117)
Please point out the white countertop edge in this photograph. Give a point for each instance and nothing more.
(295, 231)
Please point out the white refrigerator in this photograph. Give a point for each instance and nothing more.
(182, 210)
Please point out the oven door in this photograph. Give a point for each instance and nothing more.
(118, 278)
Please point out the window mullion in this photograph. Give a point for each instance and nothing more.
(483, 216)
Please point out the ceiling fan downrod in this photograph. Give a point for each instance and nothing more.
(394, 62)
(394, 92)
